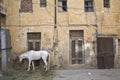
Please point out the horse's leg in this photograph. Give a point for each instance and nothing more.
(45, 65)
(44, 60)
(33, 65)
(29, 65)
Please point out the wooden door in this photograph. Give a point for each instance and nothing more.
(34, 41)
(105, 53)
(34, 45)
(76, 51)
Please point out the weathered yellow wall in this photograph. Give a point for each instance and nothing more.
(42, 20)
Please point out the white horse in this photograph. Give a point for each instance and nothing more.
(35, 55)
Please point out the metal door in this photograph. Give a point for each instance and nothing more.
(105, 53)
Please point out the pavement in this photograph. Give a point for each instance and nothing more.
(88, 74)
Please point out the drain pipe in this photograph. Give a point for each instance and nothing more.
(55, 33)
(55, 16)
(55, 27)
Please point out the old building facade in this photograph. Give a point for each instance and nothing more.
(83, 33)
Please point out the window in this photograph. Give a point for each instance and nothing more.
(89, 6)
(43, 3)
(26, 6)
(107, 3)
(62, 5)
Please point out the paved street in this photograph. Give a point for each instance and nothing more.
(88, 74)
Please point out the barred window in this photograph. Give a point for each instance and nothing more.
(89, 7)
(26, 6)
(107, 3)
(43, 3)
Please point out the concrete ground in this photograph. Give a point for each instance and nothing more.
(88, 74)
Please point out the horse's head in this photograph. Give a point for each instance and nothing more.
(23, 56)
(20, 58)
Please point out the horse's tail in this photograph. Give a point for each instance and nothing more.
(48, 60)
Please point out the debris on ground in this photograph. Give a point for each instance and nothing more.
(27, 75)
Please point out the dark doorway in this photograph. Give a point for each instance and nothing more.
(76, 45)
(105, 53)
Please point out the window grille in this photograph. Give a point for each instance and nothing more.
(89, 7)
(43, 3)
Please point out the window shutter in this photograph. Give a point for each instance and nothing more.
(26, 6)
